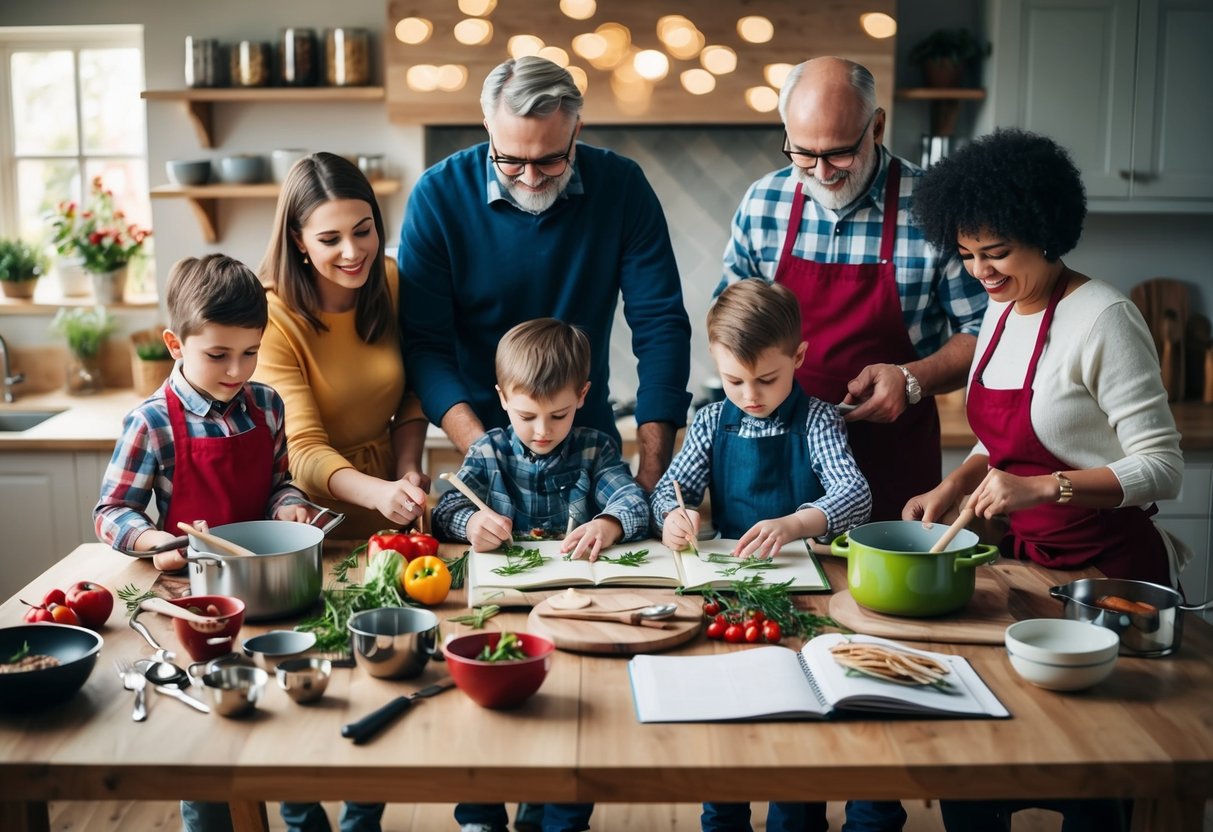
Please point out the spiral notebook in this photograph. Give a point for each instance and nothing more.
(777, 683)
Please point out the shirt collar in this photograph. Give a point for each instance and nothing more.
(197, 403)
(780, 416)
(495, 192)
(539, 459)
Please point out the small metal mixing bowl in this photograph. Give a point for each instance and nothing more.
(234, 690)
(304, 680)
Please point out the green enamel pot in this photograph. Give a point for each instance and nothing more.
(890, 567)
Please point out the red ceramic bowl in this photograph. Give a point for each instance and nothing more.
(505, 684)
(223, 631)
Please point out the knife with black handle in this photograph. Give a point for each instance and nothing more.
(376, 721)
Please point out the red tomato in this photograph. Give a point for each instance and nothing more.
(426, 545)
(62, 614)
(391, 539)
(734, 634)
(55, 596)
(35, 614)
(716, 630)
(771, 631)
(757, 616)
(753, 633)
(710, 608)
(721, 618)
(92, 603)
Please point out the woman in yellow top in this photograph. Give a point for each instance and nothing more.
(332, 350)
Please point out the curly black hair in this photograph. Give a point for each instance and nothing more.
(1012, 184)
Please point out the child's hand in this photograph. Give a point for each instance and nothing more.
(169, 561)
(681, 529)
(766, 538)
(589, 539)
(487, 530)
(400, 501)
(295, 513)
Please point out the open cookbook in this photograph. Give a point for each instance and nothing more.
(776, 683)
(502, 578)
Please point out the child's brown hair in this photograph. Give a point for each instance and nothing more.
(215, 289)
(751, 316)
(542, 357)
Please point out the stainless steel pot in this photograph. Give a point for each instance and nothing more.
(1141, 634)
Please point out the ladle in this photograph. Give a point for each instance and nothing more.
(649, 616)
(216, 542)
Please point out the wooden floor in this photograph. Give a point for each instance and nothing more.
(400, 817)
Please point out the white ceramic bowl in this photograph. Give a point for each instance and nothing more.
(1059, 654)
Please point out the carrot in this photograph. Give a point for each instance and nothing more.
(1117, 604)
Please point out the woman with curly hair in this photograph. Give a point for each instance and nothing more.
(1075, 438)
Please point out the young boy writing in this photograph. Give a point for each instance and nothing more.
(208, 445)
(775, 460)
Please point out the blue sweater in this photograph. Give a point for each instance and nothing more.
(471, 268)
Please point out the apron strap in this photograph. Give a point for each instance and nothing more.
(1045, 323)
(892, 199)
(789, 239)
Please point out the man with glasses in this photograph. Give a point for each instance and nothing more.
(890, 320)
(530, 224)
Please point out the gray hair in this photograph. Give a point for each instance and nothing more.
(861, 81)
(530, 86)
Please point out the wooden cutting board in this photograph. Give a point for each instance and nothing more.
(613, 637)
(1164, 305)
(1005, 593)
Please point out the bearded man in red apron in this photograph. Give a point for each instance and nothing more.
(889, 320)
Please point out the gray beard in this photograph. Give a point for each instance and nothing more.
(537, 203)
(856, 181)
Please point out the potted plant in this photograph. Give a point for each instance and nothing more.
(151, 363)
(20, 267)
(944, 55)
(101, 237)
(85, 330)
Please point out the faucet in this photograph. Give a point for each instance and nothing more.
(9, 378)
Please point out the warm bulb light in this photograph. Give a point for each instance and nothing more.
(520, 46)
(776, 74)
(718, 60)
(651, 64)
(554, 54)
(414, 30)
(878, 24)
(578, 9)
(590, 46)
(580, 79)
(618, 40)
(473, 31)
(762, 99)
(698, 81)
(755, 29)
(452, 77)
(422, 77)
(477, 8)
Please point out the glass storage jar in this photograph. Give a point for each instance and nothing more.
(250, 64)
(347, 57)
(297, 57)
(203, 62)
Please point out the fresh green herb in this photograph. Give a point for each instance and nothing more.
(343, 598)
(773, 599)
(20, 654)
(625, 559)
(477, 617)
(458, 567)
(134, 596)
(508, 649)
(519, 560)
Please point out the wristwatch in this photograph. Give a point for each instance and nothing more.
(1065, 487)
(913, 388)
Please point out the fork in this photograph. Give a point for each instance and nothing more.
(132, 679)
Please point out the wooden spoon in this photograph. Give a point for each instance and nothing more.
(454, 480)
(216, 542)
(962, 520)
(163, 607)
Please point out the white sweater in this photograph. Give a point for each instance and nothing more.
(1098, 396)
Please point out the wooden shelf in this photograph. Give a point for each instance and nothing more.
(198, 102)
(204, 199)
(945, 104)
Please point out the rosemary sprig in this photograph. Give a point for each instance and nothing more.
(753, 564)
(625, 559)
(458, 567)
(519, 560)
(133, 596)
(477, 617)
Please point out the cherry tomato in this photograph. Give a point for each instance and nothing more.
(771, 631)
(35, 614)
(55, 596)
(716, 630)
(757, 616)
(721, 618)
(734, 634)
(753, 633)
(710, 608)
(62, 614)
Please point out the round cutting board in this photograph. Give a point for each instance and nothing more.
(614, 637)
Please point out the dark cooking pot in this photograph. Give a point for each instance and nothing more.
(76, 649)
(1148, 634)
(891, 570)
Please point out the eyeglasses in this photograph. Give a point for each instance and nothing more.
(841, 159)
(548, 165)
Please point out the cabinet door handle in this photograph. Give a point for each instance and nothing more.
(1126, 175)
(1136, 175)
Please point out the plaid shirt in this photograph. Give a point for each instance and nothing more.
(582, 479)
(847, 501)
(144, 458)
(937, 295)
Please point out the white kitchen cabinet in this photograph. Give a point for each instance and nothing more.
(39, 515)
(1121, 83)
(1190, 518)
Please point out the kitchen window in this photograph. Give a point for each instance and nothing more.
(70, 111)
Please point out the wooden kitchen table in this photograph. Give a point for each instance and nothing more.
(1145, 733)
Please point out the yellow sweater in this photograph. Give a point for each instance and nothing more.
(342, 396)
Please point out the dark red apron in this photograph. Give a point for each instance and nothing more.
(851, 317)
(219, 479)
(1120, 542)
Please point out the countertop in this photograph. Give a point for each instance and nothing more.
(93, 423)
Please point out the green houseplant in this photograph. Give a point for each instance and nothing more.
(151, 362)
(944, 54)
(85, 330)
(20, 267)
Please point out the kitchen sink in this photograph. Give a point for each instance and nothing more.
(15, 421)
